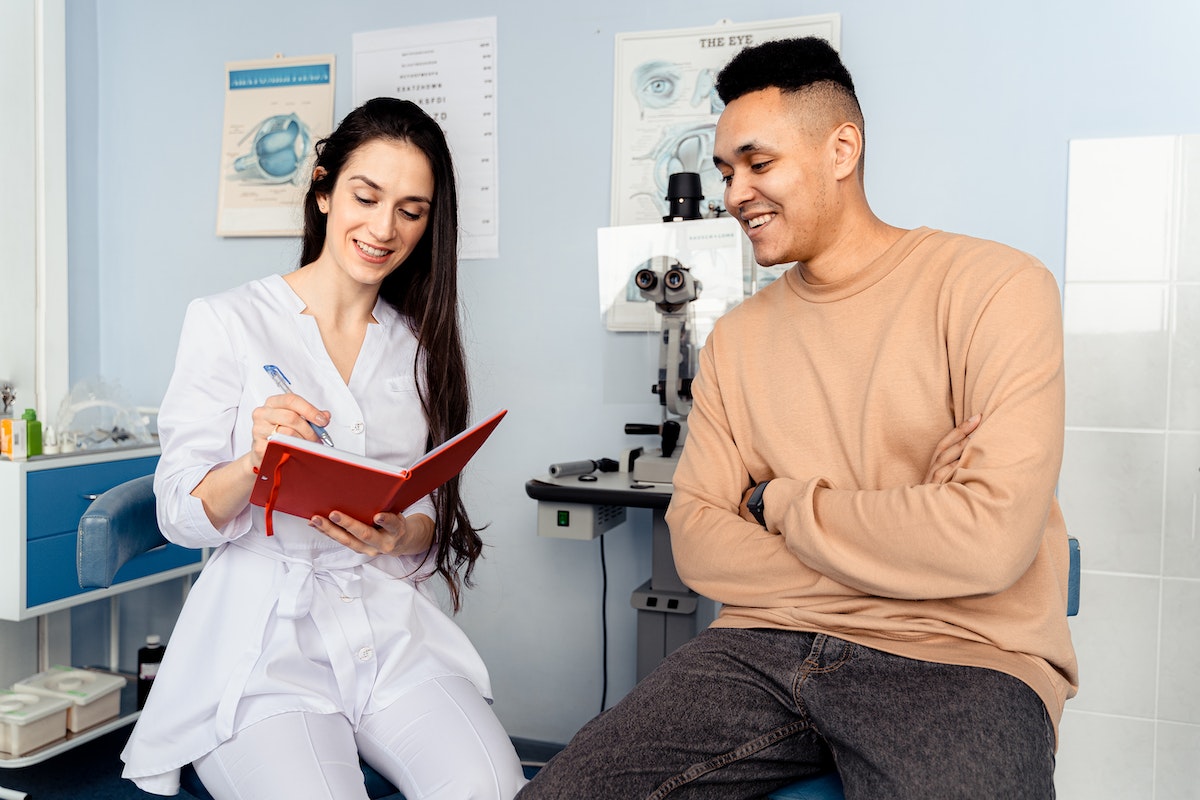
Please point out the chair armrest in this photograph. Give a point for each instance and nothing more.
(118, 525)
(1073, 577)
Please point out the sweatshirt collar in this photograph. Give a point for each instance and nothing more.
(862, 279)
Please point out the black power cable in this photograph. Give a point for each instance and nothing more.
(603, 626)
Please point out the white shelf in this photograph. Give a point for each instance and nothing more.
(128, 713)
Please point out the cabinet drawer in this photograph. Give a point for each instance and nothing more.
(57, 498)
(50, 572)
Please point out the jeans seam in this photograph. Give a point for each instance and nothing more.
(740, 752)
(811, 666)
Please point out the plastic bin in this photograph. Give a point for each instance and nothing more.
(94, 696)
(28, 721)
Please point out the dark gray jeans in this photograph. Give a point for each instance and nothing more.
(739, 713)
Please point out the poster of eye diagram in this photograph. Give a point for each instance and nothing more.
(449, 70)
(665, 107)
(275, 110)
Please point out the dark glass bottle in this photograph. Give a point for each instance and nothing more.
(149, 658)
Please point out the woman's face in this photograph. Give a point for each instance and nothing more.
(378, 209)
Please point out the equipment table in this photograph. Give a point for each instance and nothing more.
(669, 613)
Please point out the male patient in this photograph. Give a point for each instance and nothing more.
(867, 488)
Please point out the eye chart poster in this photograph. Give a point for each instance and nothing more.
(449, 70)
(665, 106)
(275, 111)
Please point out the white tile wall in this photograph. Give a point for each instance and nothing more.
(1181, 526)
(1102, 756)
(1187, 259)
(1130, 484)
(1111, 483)
(1115, 341)
(1116, 648)
(1179, 652)
(1184, 397)
(1129, 227)
(1178, 768)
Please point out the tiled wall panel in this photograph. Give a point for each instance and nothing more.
(1130, 483)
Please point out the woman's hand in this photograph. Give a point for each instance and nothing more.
(283, 413)
(225, 490)
(949, 450)
(392, 534)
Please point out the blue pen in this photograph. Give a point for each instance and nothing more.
(281, 380)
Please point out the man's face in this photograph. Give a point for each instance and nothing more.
(778, 176)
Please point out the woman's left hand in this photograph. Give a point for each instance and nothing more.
(392, 534)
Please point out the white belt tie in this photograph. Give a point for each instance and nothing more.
(339, 568)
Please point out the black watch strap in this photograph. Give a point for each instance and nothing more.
(755, 503)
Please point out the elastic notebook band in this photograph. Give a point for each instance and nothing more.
(276, 479)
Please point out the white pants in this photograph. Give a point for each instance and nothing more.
(439, 741)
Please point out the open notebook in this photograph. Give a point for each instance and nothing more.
(306, 478)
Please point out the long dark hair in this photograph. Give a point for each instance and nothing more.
(425, 291)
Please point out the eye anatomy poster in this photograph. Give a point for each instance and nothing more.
(275, 110)
(449, 70)
(665, 107)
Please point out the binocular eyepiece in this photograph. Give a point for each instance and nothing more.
(670, 289)
(674, 279)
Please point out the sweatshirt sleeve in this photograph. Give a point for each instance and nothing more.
(976, 534)
(719, 551)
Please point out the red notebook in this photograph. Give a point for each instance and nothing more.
(304, 478)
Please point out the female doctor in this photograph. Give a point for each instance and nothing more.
(297, 653)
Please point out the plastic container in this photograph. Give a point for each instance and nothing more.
(28, 721)
(13, 441)
(49, 441)
(33, 433)
(149, 657)
(94, 696)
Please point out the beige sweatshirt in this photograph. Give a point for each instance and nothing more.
(838, 393)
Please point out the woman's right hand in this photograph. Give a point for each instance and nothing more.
(289, 414)
(225, 490)
(949, 450)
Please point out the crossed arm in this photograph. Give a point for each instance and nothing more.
(843, 519)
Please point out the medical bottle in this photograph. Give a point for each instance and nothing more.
(149, 657)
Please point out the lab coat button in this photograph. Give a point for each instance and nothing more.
(347, 599)
(365, 653)
(357, 427)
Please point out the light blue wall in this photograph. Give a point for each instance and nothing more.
(969, 110)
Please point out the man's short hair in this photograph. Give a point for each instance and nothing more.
(789, 65)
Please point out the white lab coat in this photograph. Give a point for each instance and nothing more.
(294, 621)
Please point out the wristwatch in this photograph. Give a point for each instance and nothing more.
(755, 503)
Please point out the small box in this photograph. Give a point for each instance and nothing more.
(28, 721)
(94, 696)
(13, 441)
(576, 520)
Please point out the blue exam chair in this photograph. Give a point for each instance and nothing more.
(121, 523)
